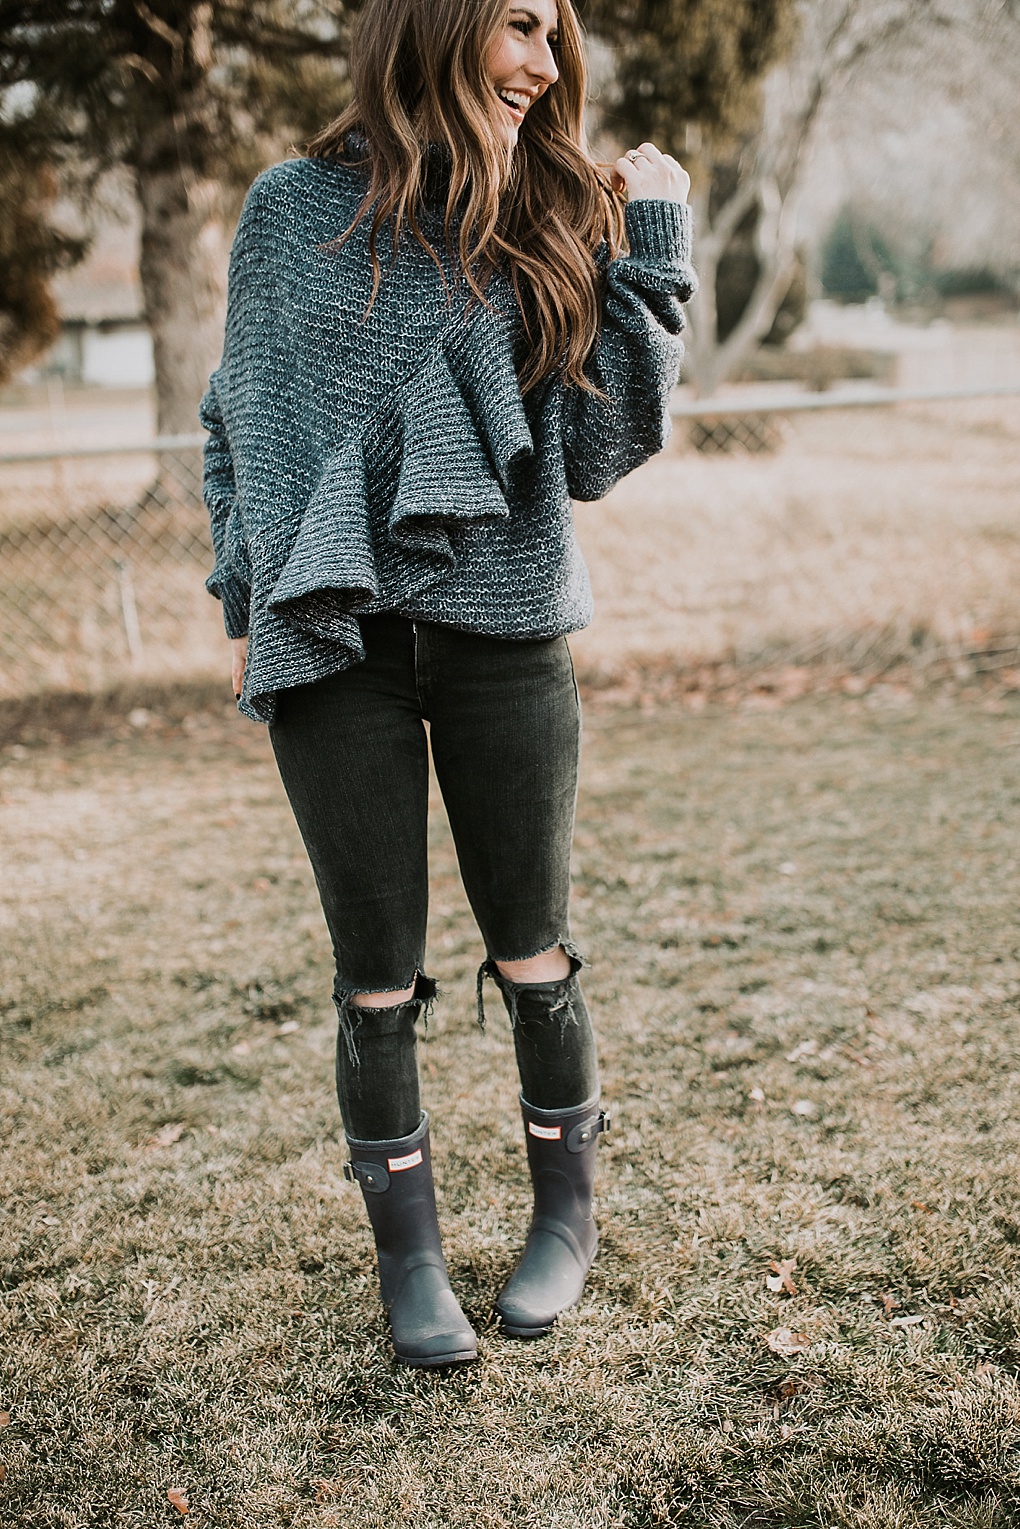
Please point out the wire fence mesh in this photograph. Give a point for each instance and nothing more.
(102, 561)
(104, 550)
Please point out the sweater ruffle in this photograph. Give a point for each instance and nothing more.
(440, 455)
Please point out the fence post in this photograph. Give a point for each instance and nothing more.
(129, 611)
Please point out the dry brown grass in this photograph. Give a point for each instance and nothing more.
(875, 534)
(806, 981)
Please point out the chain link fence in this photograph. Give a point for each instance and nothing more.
(103, 554)
(104, 550)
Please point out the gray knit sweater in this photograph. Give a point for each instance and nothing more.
(391, 464)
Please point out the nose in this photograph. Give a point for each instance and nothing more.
(542, 64)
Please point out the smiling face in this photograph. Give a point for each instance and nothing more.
(521, 61)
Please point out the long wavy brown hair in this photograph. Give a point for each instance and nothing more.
(538, 210)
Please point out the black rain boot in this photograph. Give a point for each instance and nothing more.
(563, 1239)
(428, 1327)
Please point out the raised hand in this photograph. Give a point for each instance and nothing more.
(646, 174)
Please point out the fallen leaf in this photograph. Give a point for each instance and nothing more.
(288, 1027)
(906, 1321)
(166, 1135)
(889, 1304)
(806, 1048)
(5, 1418)
(243, 1048)
(728, 1425)
(260, 884)
(3, 1471)
(920, 1205)
(758, 1095)
(178, 1500)
(782, 1279)
(782, 1341)
(51, 1220)
(805, 1107)
(986, 1367)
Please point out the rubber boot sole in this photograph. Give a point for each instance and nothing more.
(512, 1331)
(438, 1361)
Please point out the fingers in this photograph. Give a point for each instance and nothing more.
(651, 153)
(238, 661)
(626, 177)
(646, 173)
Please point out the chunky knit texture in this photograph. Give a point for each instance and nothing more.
(390, 463)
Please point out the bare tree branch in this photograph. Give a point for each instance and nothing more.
(835, 40)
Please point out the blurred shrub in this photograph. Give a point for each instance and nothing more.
(972, 281)
(31, 250)
(819, 367)
(860, 260)
(854, 258)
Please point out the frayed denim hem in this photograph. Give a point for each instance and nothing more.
(512, 990)
(352, 1015)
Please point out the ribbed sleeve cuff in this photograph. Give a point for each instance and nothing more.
(659, 231)
(236, 599)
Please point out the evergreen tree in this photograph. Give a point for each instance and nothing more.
(193, 97)
(31, 250)
(690, 64)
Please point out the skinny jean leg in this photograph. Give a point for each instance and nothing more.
(505, 733)
(353, 757)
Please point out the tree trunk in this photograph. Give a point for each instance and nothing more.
(701, 311)
(711, 361)
(183, 272)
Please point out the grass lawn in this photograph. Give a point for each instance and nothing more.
(805, 976)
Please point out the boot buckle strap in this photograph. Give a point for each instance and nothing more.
(585, 1131)
(371, 1176)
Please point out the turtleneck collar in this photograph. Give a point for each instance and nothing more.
(437, 166)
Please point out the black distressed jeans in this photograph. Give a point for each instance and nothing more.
(352, 750)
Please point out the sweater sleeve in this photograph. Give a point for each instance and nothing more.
(636, 360)
(219, 485)
(219, 491)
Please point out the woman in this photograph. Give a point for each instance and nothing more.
(433, 341)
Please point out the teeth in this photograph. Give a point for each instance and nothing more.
(514, 98)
